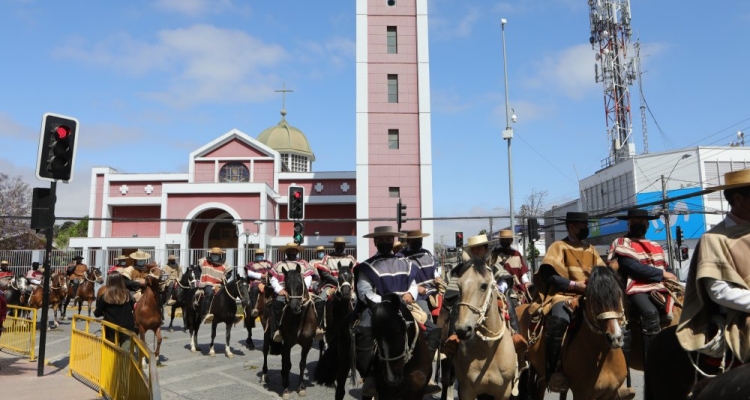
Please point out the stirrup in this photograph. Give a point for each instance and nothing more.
(432, 388)
(208, 318)
(254, 313)
(625, 393)
(558, 383)
(319, 334)
(277, 338)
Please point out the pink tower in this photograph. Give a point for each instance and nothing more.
(394, 145)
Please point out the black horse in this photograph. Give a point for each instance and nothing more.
(335, 362)
(224, 309)
(298, 325)
(189, 280)
(14, 293)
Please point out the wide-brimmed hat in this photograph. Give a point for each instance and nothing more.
(291, 245)
(5, 262)
(121, 257)
(339, 239)
(477, 240)
(319, 248)
(415, 234)
(734, 179)
(172, 257)
(575, 216)
(398, 245)
(78, 257)
(216, 250)
(637, 213)
(506, 234)
(383, 231)
(260, 251)
(140, 255)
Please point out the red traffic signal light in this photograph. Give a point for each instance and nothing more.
(296, 203)
(57, 148)
(459, 239)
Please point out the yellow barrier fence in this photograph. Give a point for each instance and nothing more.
(20, 331)
(110, 359)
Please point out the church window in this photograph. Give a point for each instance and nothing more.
(392, 41)
(393, 138)
(234, 172)
(392, 88)
(297, 163)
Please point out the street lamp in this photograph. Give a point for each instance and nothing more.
(508, 132)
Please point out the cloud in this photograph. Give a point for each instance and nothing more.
(449, 102)
(194, 8)
(569, 72)
(338, 51)
(526, 111)
(449, 28)
(203, 63)
(9, 128)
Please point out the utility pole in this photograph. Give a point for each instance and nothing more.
(665, 213)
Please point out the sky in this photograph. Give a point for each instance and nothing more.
(151, 81)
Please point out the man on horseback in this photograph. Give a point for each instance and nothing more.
(426, 269)
(76, 274)
(174, 271)
(642, 265)
(6, 275)
(717, 293)
(121, 262)
(561, 277)
(257, 274)
(508, 258)
(382, 274)
(397, 247)
(328, 267)
(135, 275)
(212, 276)
(291, 250)
(34, 276)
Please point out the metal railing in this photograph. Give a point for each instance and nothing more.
(19, 335)
(112, 367)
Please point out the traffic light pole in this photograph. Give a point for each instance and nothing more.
(665, 212)
(45, 284)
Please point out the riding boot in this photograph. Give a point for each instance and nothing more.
(208, 296)
(519, 342)
(432, 337)
(254, 293)
(170, 291)
(553, 340)
(650, 327)
(278, 309)
(320, 306)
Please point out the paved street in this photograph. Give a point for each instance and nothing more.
(198, 376)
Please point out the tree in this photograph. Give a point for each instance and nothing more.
(70, 229)
(533, 206)
(531, 253)
(482, 232)
(15, 206)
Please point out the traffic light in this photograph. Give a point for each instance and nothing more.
(42, 209)
(533, 226)
(57, 148)
(684, 253)
(459, 239)
(400, 214)
(678, 233)
(296, 203)
(299, 233)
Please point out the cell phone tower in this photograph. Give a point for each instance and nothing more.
(610, 37)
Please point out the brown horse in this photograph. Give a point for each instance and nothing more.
(148, 312)
(298, 325)
(58, 290)
(84, 292)
(486, 360)
(592, 358)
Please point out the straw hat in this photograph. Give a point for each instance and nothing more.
(320, 248)
(637, 213)
(140, 255)
(121, 257)
(574, 216)
(383, 231)
(478, 240)
(260, 251)
(216, 250)
(506, 234)
(733, 180)
(4, 262)
(172, 257)
(415, 234)
(339, 239)
(291, 245)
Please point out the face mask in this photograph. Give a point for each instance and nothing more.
(291, 256)
(415, 245)
(505, 244)
(123, 263)
(214, 258)
(583, 233)
(479, 259)
(171, 262)
(385, 248)
(321, 254)
(339, 250)
(258, 258)
(140, 263)
(638, 230)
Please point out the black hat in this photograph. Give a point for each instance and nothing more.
(637, 213)
(78, 257)
(574, 216)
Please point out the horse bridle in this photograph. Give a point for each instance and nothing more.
(605, 316)
(237, 284)
(408, 349)
(492, 335)
(92, 271)
(59, 287)
(190, 281)
(13, 283)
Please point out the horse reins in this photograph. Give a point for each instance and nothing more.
(86, 277)
(408, 350)
(607, 315)
(483, 316)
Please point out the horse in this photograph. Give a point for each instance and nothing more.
(298, 325)
(485, 361)
(334, 363)
(224, 309)
(188, 281)
(731, 385)
(85, 291)
(58, 290)
(402, 363)
(592, 356)
(14, 293)
(147, 313)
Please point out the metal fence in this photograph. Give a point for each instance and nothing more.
(114, 368)
(20, 331)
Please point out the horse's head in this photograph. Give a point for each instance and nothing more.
(389, 329)
(154, 278)
(60, 281)
(346, 282)
(477, 288)
(192, 276)
(243, 292)
(95, 274)
(20, 283)
(603, 308)
(294, 285)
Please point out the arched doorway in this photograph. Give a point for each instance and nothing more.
(220, 232)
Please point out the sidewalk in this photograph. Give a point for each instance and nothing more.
(19, 379)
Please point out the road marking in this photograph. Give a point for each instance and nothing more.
(193, 375)
(257, 388)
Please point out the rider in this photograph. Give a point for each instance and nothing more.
(291, 250)
(257, 272)
(504, 256)
(34, 276)
(397, 247)
(382, 274)
(135, 275)
(717, 290)
(212, 276)
(562, 276)
(121, 262)
(175, 273)
(76, 274)
(427, 269)
(6, 275)
(328, 267)
(317, 283)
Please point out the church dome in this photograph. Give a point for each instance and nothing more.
(286, 139)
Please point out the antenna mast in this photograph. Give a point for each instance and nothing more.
(644, 125)
(610, 36)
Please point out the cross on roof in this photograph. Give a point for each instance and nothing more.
(283, 92)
